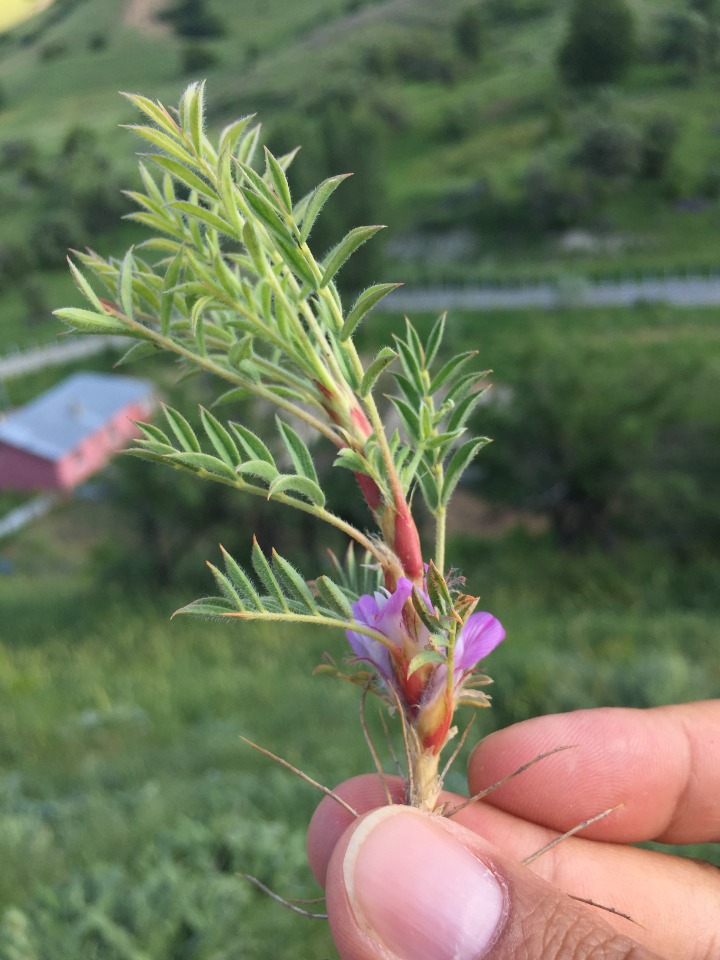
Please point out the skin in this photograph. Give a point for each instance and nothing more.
(662, 765)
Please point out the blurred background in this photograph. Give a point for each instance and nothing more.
(551, 172)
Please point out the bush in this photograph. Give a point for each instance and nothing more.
(690, 40)
(599, 46)
(658, 144)
(195, 58)
(468, 33)
(610, 150)
(54, 234)
(555, 198)
(193, 19)
(607, 441)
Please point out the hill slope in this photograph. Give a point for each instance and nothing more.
(445, 135)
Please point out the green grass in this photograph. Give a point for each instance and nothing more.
(128, 802)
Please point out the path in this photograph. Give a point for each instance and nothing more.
(677, 291)
(70, 348)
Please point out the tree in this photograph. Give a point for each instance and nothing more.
(600, 43)
(193, 19)
(468, 33)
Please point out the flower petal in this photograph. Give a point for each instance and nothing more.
(390, 621)
(479, 637)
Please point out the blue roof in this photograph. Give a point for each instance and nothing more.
(53, 424)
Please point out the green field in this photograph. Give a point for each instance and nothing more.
(128, 803)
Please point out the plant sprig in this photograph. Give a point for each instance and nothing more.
(228, 282)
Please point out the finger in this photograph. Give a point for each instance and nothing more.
(331, 820)
(405, 885)
(661, 764)
(674, 902)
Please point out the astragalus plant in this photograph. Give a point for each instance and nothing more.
(227, 281)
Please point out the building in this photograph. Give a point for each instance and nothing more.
(69, 433)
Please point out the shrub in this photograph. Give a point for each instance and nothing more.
(610, 149)
(196, 57)
(658, 144)
(599, 46)
(468, 33)
(607, 440)
(193, 19)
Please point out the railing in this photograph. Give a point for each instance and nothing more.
(21, 361)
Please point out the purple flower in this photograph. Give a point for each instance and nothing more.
(385, 612)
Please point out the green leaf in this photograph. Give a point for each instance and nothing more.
(410, 419)
(125, 283)
(241, 350)
(191, 114)
(186, 176)
(458, 464)
(333, 597)
(248, 145)
(204, 216)
(84, 287)
(308, 489)
(438, 590)
(364, 303)
(242, 583)
(162, 141)
(252, 245)
(423, 658)
(251, 443)
(259, 186)
(294, 582)
(220, 439)
(167, 296)
(429, 489)
(298, 450)
(434, 340)
(414, 396)
(204, 462)
(231, 134)
(226, 587)
(317, 201)
(264, 571)
(352, 460)
(279, 180)
(421, 609)
(258, 468)
(384, 357)
(182, 430)
(153, 433)
(463, 410)
(155, 111)
(296, 261)
(267, 215)
(412, 364)
(344, 250)
(451, 367)
(138, 351)
(86, 321)
(208, 607)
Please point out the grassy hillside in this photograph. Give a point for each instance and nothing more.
(487, 142)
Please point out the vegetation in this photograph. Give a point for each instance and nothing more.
(600, 43)
(128, 803)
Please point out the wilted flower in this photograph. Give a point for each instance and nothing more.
(425, 694)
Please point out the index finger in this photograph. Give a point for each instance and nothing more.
(661, 764)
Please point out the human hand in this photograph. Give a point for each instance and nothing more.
(403, 885)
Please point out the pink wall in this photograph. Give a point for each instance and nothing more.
(20, 470)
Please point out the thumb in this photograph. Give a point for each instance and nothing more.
(405, 885)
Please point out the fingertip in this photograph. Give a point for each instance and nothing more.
(331, 819)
